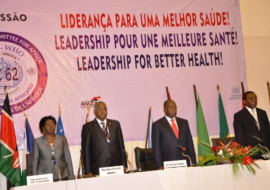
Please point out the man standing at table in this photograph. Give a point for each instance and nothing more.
(170, 132)
(251, 123)
(102, 142)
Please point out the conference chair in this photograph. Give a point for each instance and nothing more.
(29, 169)
(226, 140)
(144, 159)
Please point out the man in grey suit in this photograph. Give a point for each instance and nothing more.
(251, 123)
(51, 146)
(102, 142)
(170, 132)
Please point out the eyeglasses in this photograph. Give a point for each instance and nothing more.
(99, 109)
(50, 125)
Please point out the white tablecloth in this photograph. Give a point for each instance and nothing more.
(200, 178)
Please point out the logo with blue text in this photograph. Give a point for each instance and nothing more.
(236, 94)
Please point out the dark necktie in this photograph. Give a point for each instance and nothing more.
(104, 129)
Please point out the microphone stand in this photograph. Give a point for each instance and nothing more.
(188, 158)
(266, 156)
(129, 163)
(56, 167)
(185, 155)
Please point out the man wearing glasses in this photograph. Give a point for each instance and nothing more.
(102, 142)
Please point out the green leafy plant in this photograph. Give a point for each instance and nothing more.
(236, 155)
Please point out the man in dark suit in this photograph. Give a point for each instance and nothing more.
(170, 132)
(250, 122)
(102, 142)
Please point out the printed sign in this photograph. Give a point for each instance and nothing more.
(175, 164)
(107, 171)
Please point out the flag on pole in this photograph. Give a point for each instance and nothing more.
(168, 93)
(28, 147)
(243, 91)
(9, 156)
(202, 133)
(150, 134)
(148, 142)
(60, 128)
(223, 125)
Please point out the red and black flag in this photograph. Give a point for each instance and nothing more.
(9, 156)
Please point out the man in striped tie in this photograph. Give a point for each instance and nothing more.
(251, 124)
(102, 142)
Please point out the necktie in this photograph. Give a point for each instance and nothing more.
(255, 117)
(104, 129)
(174, 128)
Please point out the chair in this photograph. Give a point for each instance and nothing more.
(144, 159)
(226, 140)
(29, 169)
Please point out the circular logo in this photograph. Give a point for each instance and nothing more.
(236, 90)
(23, 70)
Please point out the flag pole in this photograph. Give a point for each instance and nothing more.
(268, 89)
(80, 161)
(243, 91)
(5, 90)
(59, 110)
(147, 132)
(168, 93)
(195, 94)
(87, 113)
(24, 113)
(242, 86)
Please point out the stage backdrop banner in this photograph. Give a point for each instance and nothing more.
(126, 52)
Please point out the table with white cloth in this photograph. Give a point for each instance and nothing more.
(216, 177)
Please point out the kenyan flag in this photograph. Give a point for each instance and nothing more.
(9, 156)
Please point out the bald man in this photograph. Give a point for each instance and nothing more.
(102, 142)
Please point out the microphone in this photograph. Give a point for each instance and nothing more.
(129, 163)
(183, 149)
(265, 156)
(257, 138)
(56, 167)
(180, 147)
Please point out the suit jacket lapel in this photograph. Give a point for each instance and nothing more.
(98, 126)
(99, 129)
(45, 141)
(168, 126)
(180, 127)
(250, 117)
(110, 128)
(56, 141)
(259, 115)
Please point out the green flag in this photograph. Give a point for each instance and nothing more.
(223, 125)
(9, 156)
(202, 133)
